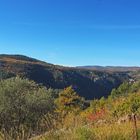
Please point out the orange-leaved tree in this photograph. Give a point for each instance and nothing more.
(69, 102)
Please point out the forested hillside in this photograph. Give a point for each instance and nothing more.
(88, 83)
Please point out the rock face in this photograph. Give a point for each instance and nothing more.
(88, 83)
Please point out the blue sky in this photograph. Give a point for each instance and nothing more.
(72, 32)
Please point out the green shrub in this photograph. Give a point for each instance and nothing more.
(22, 105)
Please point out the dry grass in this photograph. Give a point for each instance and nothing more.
(93, 132)
(113, 131)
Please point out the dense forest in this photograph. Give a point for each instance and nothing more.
(41, 101)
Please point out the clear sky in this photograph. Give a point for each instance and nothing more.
(72, 32)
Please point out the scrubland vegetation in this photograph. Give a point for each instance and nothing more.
(33, 111)
(30, 111)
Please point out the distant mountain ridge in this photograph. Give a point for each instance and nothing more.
(111, 68)
(89, 83)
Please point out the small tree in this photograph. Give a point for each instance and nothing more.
(69, 102)
(122, 90)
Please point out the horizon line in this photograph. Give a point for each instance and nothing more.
(65, 65)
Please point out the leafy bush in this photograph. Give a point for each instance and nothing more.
(22, 105)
